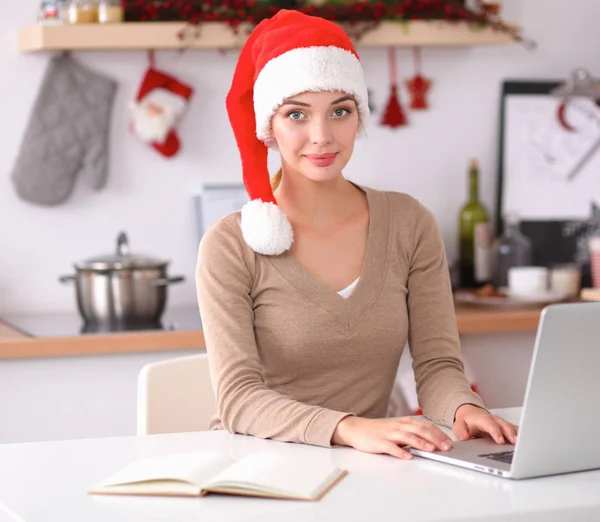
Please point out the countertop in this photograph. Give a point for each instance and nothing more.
(64, 334)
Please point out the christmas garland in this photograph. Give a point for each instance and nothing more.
(365, 14)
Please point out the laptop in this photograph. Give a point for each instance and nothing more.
(559, 430)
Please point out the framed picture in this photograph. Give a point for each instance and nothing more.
(549, 171)
(215, 201)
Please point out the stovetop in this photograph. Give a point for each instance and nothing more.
(69, 324)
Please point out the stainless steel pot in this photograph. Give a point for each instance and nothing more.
(121, 288)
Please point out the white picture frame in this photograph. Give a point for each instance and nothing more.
(214, 201)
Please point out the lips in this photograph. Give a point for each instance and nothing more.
(321, 160)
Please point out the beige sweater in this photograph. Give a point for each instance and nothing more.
(289, 357)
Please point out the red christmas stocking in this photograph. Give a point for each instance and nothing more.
(393, 115)
(418, 86)
(158, 107)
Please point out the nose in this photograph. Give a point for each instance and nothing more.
(321, 132)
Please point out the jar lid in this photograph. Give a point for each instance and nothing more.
(121, 259)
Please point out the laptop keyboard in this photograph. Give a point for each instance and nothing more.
(503, 456)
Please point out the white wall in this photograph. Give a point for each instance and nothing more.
(149, 197)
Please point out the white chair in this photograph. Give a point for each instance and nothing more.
(175, 395)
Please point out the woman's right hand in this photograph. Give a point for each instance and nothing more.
(387, 435)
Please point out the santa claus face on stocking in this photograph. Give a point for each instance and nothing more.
(159, 104)
(315, 133)
(156, 114)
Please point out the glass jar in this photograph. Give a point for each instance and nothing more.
(82, 12)
(110, 11)
(512, 248)
(51, 12)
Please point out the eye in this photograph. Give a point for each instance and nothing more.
(295, 115)
(341, 111)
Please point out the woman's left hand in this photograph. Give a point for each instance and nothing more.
(471, 421)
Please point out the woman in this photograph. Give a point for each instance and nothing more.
(309, 295)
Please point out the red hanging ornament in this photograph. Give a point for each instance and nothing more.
(418, 86)
(393, 115)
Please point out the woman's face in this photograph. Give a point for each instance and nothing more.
(315, 133)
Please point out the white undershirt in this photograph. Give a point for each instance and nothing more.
(345, 293)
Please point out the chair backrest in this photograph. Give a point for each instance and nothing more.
(175, 395)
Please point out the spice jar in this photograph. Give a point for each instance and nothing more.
(51, 12)
(110, 11)
(82, 12)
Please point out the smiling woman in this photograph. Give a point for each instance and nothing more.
(310, 293)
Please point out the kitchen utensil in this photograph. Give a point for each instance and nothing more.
(121, 288)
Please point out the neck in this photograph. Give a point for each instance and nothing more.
(318, 204)
(473, 186)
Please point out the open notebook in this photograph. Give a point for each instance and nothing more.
(267, 475)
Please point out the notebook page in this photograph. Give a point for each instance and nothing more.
(196, 468)
(152, 488)
(298, 476)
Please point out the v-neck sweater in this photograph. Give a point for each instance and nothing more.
(289, 357)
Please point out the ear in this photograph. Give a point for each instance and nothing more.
(271, 142)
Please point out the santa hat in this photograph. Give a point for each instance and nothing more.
(285, 55)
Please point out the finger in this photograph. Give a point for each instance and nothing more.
(396, 451)
(431, 433)
(513, 426)
(461, 430)
(435, 436)
(491, 426)
(508, 430)
(412, 440)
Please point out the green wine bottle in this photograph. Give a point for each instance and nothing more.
(475, 236)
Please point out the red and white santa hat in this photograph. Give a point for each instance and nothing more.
(285, 55)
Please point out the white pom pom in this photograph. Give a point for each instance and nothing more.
(266, 228)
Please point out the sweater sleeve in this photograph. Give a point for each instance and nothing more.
(224, 278)
(433, 335)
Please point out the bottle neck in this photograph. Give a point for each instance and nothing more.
(473, 186)
(511, 228)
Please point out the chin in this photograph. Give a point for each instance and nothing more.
(322, 174)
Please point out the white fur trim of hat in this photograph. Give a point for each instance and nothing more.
(305, 69)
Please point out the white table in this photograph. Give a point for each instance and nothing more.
(47, 481)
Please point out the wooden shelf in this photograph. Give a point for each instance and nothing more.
(217, 35)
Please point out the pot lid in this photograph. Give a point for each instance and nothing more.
(122, 258)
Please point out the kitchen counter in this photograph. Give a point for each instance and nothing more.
(51, 335)
(60, 334)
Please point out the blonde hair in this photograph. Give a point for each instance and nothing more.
(276, 179)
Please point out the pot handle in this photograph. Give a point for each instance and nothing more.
(164, 281)
(67, 279)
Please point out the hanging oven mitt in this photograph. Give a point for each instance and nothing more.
(67, 133)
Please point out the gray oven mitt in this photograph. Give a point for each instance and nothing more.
(68, 131)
